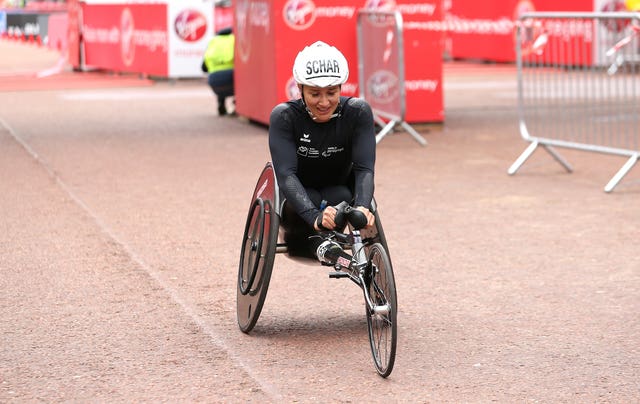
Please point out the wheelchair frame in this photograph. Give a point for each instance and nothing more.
(370, 269)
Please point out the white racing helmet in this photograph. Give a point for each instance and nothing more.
(320, 65)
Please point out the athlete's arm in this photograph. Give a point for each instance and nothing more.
(285, 162)
(363, 153)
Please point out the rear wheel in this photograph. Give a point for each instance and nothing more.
(256, 262)
(381, 319)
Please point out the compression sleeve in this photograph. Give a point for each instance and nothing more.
(282, 147)
(363, 153)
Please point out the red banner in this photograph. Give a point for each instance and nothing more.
(73, 37)
(486, 29)
(269, 35)
(423, 48)
(128, 38)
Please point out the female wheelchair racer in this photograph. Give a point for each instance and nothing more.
(323, 154)
(367, 264)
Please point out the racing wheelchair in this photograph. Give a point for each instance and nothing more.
(369, 267)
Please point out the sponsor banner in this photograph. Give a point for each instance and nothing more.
(382, 66)
(559, 41)
(73, 34)
(300, 23)
(269, 34)
(127, 38)
(160, 38)
(190, 26)
(423, 49)
(575, 41)
(257, 89)
(483, 30)
(486, 30)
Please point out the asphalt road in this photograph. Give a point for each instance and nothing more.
(122, 216)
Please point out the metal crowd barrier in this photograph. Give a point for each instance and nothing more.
(381, 69)
(579, 85)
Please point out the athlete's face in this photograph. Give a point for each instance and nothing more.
(322, 102)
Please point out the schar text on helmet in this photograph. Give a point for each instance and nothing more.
(320, 65)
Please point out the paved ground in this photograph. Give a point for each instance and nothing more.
(122, 216)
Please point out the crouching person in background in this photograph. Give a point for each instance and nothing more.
(218, 63)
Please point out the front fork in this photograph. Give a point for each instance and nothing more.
(361, 271)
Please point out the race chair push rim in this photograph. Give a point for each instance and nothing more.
(369, 267)
(258, 251)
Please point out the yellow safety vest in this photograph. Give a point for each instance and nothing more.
(219, 53)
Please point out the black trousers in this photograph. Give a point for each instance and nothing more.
(221, 83)
(301, 238)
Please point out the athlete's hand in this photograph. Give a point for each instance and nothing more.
(370, 218)
(326, 218)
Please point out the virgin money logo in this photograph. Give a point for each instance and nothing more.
(253, 20)
(127, 44)
(299, 14)
(382, 86)
(243, 39)
(190, 25)
(614, 5)
(384, 6)
(615, 25)
(523, 6)
(292, 91)
(380, 5)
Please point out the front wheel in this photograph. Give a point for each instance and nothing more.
(381, 318)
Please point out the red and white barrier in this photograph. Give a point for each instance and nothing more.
(165, 39)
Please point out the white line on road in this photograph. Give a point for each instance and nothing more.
(138, 94)
(190, 311)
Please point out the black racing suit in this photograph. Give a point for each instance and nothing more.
(313, 161)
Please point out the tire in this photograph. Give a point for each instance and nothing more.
(381, 237)
(383, 327)
(251, 247)
(257, 255)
